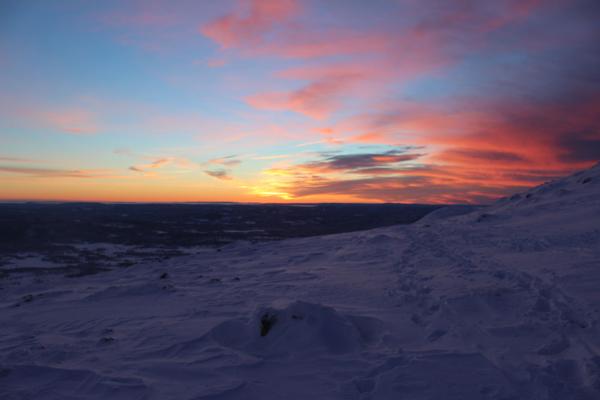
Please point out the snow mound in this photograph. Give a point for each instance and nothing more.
(300, 328)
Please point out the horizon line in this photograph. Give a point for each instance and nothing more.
(23, 201)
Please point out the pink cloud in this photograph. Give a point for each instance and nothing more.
(325, 87)
(75, 121)
(142, 14)
(268, 28)
(472, 16)
(79, 116)
(317, 100)
(216, 62)
(304, 43)
(251, 20)
(156, 26)
(440, 35)
(146, 18)
(274, 28)
(514, 10)
(332, 83)
(383, 63)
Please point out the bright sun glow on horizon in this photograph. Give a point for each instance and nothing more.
(295, 101)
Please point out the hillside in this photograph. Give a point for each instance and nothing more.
(498, 303)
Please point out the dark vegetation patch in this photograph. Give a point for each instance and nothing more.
(34, 226)
(156, 232)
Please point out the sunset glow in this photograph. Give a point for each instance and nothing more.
(295, 101)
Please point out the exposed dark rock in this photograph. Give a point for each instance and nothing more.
(266, 323)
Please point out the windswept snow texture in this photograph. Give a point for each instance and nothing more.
(499, 303)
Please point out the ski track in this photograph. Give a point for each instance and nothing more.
(500, 303)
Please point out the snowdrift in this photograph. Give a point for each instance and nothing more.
(300, 329)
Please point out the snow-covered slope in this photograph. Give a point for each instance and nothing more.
(500, 303)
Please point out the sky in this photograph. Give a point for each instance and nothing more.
(411, 101)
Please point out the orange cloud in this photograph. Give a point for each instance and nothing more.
(153, 165)
(36, 172)
(325, 131)
(496, 146)
(407, 183)
(369, 137)
(476, 150)
(15, 159)
(228, 161)
(162, 162)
